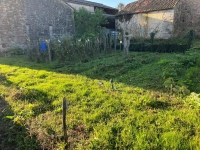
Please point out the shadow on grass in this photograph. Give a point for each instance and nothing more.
(23, 130)
(12, 135)
(119, 68)
(33, 96)
(158, 104)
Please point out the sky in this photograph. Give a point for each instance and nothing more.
(112, 3)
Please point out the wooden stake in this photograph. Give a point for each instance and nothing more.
(49, 52)
(115, 43)
(64, 122)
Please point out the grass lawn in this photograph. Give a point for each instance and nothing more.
(115, 102)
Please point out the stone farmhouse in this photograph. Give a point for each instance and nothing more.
(24, 23)
(166, 18)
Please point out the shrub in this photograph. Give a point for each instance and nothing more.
(192, 78)
(68, 49)
(185, 72)
(161, 48)
(88, 25)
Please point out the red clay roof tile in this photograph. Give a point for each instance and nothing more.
(147, 6)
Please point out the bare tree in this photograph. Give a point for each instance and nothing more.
(120, 6)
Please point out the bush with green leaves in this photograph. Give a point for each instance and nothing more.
(88, 25)
(16, 51)
(68, 49)
(185, 72)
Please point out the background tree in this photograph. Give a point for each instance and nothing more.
(87, 24)
(120, 6)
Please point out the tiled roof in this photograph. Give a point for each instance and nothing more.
(147, 6)
(88, 3)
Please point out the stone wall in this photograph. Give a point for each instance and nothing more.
(161, 23)
(12, 21)
(142, 24)
(134, 25)
(187, 17)
(48, 19)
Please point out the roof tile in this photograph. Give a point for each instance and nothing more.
(147, 6)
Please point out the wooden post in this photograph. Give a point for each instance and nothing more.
(64, 122)
(115, 43)
(99, 43)
(111, 82)
(120, 45)
(110, 41)
(105, 44)
(38, 51)
(49, 51)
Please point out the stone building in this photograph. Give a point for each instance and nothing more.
(166, 18)
(187, 17)
(24, 23)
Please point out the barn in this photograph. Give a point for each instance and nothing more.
(165, 18)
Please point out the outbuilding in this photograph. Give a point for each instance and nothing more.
(165, 18)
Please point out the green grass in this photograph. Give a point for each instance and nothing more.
(138, 112)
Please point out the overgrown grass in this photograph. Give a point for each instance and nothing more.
(115, 102)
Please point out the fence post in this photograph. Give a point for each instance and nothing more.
(49, 51)
(110, 41)
(115, 44)
(65, 105)
(105, 39)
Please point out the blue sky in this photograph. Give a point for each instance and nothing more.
(112, 3)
